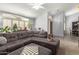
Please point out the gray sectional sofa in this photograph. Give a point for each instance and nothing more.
(19, 39)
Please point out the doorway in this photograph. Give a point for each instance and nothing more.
(50, 25)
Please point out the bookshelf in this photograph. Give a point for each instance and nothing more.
(75, 28)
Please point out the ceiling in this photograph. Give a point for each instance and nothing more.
(27, 10)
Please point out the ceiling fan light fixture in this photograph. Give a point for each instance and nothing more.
(38, 7)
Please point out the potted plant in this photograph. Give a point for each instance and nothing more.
(5, 29)
(15, 28)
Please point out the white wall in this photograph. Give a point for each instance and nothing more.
(41, 21)
(58, 24)
(69, 20)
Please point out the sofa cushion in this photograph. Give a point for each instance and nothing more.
(3, 40)
(40, 36)
(35, 32)
(23, 35)
(11, 37)
(30, 32)
(43, 33)
(1, 34)
(9, 47)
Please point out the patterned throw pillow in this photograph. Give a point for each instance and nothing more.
(3, 40)
(30, 50)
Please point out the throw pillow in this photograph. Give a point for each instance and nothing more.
(3, 40)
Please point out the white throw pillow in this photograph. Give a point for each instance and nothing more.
(3, 40)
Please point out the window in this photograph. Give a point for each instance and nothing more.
(7, 22)
(16, 22)
(22, 25)
(11, 19)
(26, 24)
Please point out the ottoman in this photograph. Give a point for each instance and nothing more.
(32, 49)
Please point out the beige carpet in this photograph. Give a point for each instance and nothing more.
(68, 46)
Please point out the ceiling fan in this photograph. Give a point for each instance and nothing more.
(37, 6)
